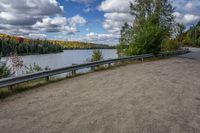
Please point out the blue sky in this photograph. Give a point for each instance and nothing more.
(97, 21)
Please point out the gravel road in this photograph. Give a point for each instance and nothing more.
(153, 97)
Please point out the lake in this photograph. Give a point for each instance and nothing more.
(66, 58)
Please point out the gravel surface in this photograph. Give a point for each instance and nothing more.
(152, 97)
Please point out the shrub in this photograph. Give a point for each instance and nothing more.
(97, 55)
(33, 68)
(170, 45)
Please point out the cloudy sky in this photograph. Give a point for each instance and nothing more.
(97, 21)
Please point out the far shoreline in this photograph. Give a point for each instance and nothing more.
(60, 52)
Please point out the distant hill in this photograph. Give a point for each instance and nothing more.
(64, 44)
(79, 45)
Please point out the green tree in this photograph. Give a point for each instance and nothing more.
(153, 23)
(97, 55)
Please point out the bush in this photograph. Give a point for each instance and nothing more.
(148, 39)
(170, 45)
(97, 55)
(33, 68)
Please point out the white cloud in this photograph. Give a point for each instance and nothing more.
(114, 21)
(51, 22)
(16, 30)
(77, 20)
(31, 7)
(190, 18)
(18, 17)
(121, 6)
(37, 36)
(60, 24)
(48, 24)
(100, 38)
(187, 11)
(116, 14)
(186, 19)
(34, 16)
(92, 37)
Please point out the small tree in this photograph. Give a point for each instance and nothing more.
(97, 55)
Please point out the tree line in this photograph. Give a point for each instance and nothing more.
(81, 45)
(11, 44)
(20, 46)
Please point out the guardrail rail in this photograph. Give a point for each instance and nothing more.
(9, 82)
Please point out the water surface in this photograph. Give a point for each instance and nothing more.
(66, 58)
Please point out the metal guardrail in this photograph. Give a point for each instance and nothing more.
(9, 82)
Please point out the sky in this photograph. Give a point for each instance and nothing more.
(96, 21)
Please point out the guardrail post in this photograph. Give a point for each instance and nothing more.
(73, 72)
(10, 88)
(142, 59)
(92, 68)
(47, 78)
(109, 64)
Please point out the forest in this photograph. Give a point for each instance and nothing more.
(23, 46)
(10, 45)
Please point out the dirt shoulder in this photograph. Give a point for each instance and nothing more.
(152, 97)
